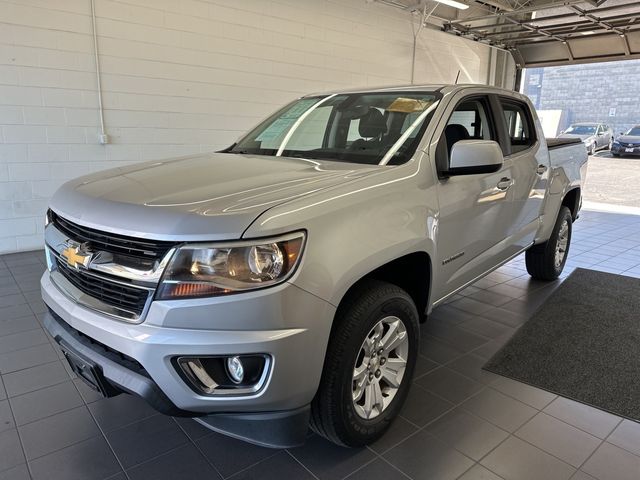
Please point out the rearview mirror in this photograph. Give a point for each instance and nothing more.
(469, 157)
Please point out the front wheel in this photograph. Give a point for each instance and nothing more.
(369, 365)
(546, 260)
(592, 149)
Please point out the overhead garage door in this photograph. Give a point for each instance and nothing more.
(543, 33)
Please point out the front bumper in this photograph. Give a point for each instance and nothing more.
(620, 150)
(285, 322)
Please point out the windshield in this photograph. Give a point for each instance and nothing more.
(581, 130)
(634, 132)
(371, 128)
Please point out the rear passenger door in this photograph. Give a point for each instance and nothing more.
(529, 160)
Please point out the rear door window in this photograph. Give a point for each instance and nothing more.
(519, 125)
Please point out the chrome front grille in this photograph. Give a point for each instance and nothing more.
(121, 274)
(121, 296)
(141, 249)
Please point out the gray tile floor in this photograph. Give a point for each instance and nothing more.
(459, 421)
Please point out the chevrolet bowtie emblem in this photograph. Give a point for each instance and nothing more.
(74, 257)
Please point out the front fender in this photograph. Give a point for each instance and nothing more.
(355, 229)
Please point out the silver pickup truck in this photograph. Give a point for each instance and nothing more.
(281, 283)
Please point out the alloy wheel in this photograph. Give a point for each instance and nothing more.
(379, 368)
(562, 243)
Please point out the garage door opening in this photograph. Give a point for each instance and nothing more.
(598, 103)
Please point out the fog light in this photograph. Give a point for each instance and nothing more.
(224, 375)
(235, 369)
(201, 374)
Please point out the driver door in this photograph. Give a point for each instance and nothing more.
(475, 209)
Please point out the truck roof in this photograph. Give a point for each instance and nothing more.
(416, 88)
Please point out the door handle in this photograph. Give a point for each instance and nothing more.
(504, 183)
(541, 169)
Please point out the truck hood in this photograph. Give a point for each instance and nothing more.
(212, 196)
(629, 139)
(581, 137)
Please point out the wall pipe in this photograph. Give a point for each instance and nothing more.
(423, 20)
(103, 137)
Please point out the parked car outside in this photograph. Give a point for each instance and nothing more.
(595, 136)
(280, 283)
(627, 143)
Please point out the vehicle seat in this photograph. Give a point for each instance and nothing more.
(371, 128)
(454, 133)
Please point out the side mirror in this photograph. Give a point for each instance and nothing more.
(470, 157)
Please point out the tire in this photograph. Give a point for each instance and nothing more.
(543, 260)
(335, 414)
(592, 149)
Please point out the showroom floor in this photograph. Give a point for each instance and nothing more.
(459, 421)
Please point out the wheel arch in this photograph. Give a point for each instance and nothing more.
(411, 272)
(571, 200)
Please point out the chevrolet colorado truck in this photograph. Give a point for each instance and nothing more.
(281, 283)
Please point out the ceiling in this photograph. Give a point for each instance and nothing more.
(540, 32)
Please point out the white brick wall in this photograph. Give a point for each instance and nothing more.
(180, 77)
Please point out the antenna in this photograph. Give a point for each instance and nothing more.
(457, 77)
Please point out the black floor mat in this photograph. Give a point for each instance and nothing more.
(583, 343)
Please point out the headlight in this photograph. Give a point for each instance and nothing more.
(616, 143)
(205, 270)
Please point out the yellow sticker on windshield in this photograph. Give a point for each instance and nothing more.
(408, 105)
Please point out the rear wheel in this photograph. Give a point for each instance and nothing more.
(546, 260)
(369, 365)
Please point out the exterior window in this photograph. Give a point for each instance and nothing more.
(471, 120)
(472, 117)
(353, 134)
(519, 126)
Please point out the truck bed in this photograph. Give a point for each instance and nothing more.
(561, 142)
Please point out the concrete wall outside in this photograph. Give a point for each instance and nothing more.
(595, 92)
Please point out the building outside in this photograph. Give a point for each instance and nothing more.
(597, 92)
